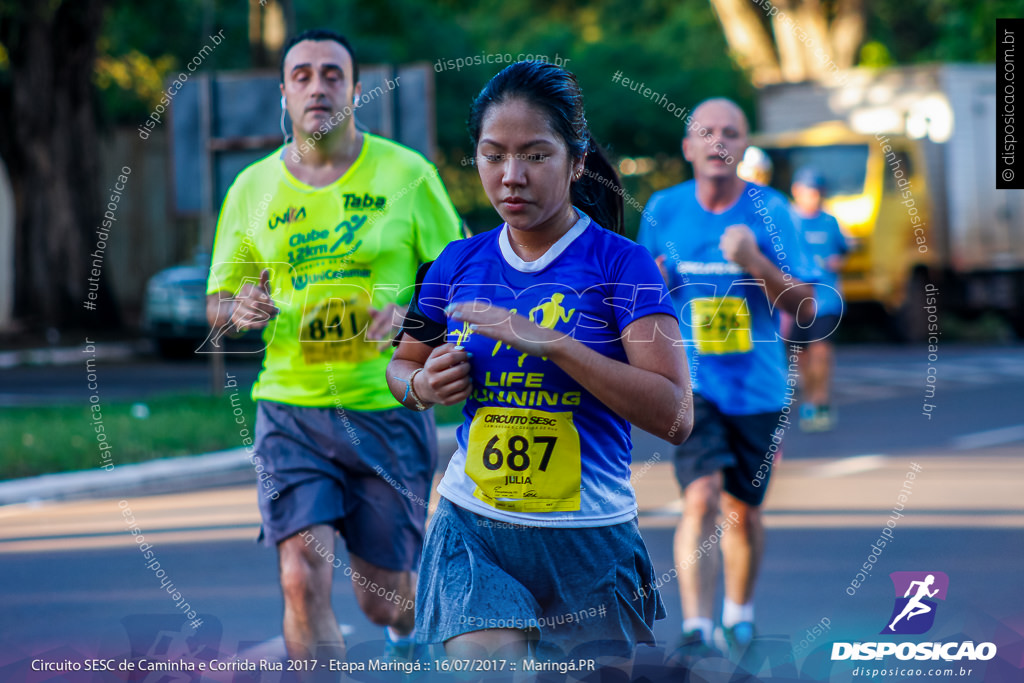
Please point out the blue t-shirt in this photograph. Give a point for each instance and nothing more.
(824, 239)
(536, 448)
(737, 358)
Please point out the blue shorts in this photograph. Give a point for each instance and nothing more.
(367, 473)
(576, 591)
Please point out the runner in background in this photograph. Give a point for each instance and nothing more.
(756, 167)
(828, 247)
(733, 259)
(327, 286)
(558, 334)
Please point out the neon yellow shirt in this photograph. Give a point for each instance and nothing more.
(332, 252)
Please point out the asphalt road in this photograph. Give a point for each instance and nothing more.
(72, 581)
(977, 390)
(119, 379)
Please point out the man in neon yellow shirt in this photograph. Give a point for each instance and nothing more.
(318, 246)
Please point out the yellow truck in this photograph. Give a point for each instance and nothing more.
(909, 159)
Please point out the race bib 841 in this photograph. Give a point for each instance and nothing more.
(335, 330)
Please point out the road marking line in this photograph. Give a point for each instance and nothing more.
(852, 465)
(866, 520)
(991, 437)
(273, 648)
(124, 540)
(673, 509)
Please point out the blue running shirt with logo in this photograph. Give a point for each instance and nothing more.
(824, 239)
(737, 358)
(535, 447)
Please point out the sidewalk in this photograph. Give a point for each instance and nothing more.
(816, 494)
(164, 476)
(863, 491)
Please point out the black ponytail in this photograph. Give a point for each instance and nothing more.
(598, 192)
(555, 91)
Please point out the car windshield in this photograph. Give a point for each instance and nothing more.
(843, 167)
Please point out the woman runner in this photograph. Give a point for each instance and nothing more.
(558, 333)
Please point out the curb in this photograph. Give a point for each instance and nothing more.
(167, 475)
(182, 473)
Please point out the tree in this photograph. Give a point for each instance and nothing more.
(271, 22)
(812, 38)
(50, 145)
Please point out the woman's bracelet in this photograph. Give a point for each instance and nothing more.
(411, 390)
(420, 405)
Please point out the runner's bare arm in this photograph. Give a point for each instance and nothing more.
(652, 390)
(660, 260)
(739, 245)
(219, 307)
(444, 376)
(252, 309)
(385, 324)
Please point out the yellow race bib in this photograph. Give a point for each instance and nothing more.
(721, 325)
(335, 330)
(524, 460)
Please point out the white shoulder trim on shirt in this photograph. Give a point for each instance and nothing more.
(512, 259)
(702, 268)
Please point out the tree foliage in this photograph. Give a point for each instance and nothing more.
(792, 40)
(915, 31)
(57, 55)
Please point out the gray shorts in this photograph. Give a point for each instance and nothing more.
(367, 473)
(578, 592)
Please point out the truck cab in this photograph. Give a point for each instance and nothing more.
(876, 189)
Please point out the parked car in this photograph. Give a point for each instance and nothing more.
(174, 311)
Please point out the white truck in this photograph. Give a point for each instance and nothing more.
(910, 154)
